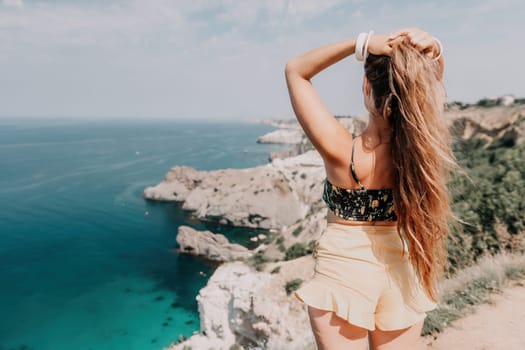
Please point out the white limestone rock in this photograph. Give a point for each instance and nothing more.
(506, 100)
(273, 195)
(471, 121)
(210, 245)
(177, 184)
(291, 123)
(251, 309)
(284, 136)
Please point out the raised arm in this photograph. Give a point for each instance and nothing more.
(321, 127)
(327, 135)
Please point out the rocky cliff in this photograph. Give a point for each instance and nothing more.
(476, 121)
(273, 195)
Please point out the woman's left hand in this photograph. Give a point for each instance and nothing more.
(423, 41)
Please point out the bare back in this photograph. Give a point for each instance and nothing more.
(373, 167)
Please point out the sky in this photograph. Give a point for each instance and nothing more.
(225, 59)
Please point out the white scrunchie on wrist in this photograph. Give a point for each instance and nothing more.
(359, 43)
(365, 50)
(361, 46)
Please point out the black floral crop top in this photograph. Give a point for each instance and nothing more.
(359, 204)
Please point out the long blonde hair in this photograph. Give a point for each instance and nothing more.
(408, 90)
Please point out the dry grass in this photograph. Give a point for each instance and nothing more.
(472, 286)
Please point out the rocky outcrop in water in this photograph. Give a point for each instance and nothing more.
(268, 196)
(177, 184)
(284, 136)
(212, 246)
(290, 123)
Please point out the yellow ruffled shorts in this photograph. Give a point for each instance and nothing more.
(361, 275)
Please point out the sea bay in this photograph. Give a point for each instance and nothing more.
(85, 261)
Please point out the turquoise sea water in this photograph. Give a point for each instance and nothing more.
(85, 261)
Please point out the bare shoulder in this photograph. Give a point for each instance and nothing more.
(338, 155)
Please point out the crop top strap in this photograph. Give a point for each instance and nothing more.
(352, 168)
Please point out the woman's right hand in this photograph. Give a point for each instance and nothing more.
(419, 39)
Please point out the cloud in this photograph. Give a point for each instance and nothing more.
(139, 23)
(49, 24)
(226, 57)
(13, 3)
(310, 8)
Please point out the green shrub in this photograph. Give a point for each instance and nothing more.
(280, 244)
(491, 196)
(515, 272)
(490, 203)
(487, 102)
(292, 285)
(297, 250)
(276, 269)
(460, 105)
(297, 231)
(438, 319)
(259, 260)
